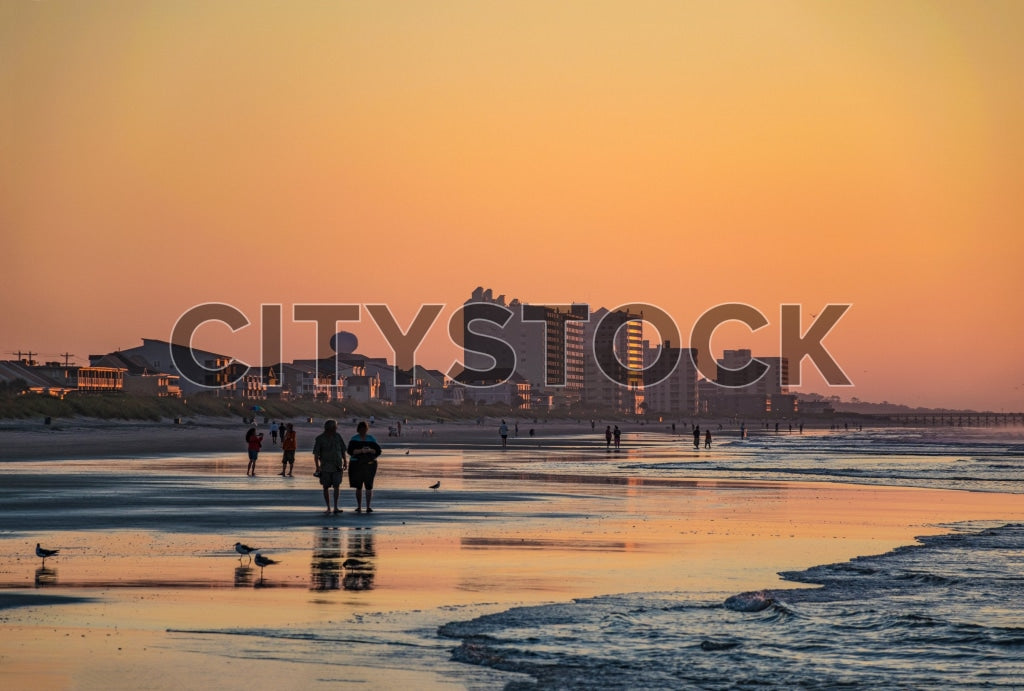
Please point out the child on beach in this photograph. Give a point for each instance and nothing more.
(255, 442)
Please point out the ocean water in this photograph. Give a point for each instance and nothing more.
(976, 459)
(945, 613)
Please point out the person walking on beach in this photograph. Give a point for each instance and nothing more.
(696, 437)
(608, 437)
(363, 450)
(288, 446)
(617, 434)
(273, 432)
(503, 431)
(254, 441)
(707, 439)
(331, 462)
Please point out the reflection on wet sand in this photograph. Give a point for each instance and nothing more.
(333, 569)
(243, 576)
(325, 569)
(45, 577)
(359, 565)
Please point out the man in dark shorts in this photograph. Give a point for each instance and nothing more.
(363, 450)
(288, 445)
(330, 460)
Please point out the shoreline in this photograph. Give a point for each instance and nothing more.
(93, 438)
(159, 597)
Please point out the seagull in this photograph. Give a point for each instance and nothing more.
(44, 553)
(407, 452)
(244, 550)
(262, 561)
(436, 485)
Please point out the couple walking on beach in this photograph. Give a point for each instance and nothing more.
(332, 457)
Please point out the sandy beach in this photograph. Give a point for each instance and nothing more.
(147, 590)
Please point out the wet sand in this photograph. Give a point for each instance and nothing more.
(147, 590)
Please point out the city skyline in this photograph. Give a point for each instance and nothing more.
(684, 155)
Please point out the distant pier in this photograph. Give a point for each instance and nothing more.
(955, 419)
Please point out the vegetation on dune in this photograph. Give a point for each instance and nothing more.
(110, 406)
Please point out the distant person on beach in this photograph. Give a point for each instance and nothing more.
(273, 431)
(330, 460)
(617, 434)
(255, 442)
(608, 437)
(288, 446)
(696, 437)
(707, 439)
(363, 450)
(503, 431)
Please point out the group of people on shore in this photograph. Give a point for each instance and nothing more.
(331, 458)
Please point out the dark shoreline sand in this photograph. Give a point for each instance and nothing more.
(92, 438)
(157, 598)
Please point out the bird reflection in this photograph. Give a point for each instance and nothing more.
(325, 569)
(45, 577)
(243, 576)
(359, 562)
(334, 568)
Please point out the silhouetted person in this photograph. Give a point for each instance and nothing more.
(617, 434)
(288, 446)
(254, 441)
(696, 437)
(608, 437)
(707, 439)
(363, 450)
(331, 461)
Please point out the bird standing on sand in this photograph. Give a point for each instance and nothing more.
(44, 553)
(244, 550)
(262, 561)
(436, 485)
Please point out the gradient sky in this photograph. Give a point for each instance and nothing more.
(158, 155)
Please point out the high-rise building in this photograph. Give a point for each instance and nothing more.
(613, 374)
(547, 342)
(733, 395)
(670, 380)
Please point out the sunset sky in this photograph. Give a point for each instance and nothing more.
(159, 155)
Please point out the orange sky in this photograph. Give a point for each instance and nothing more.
(157, 155)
